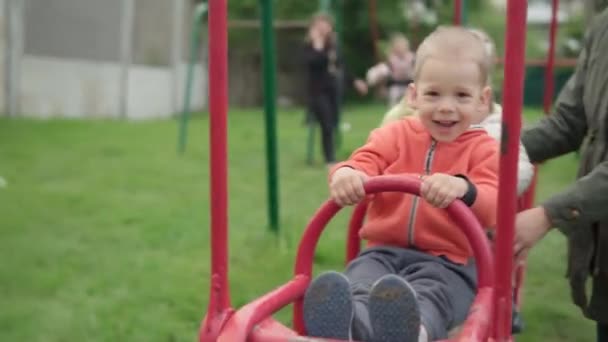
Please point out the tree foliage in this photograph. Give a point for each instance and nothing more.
(392, 16)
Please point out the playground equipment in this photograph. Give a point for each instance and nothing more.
(460, 17)
(272, 173)
(269, 100)
(490, 315)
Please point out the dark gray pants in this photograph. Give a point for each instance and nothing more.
(445, 290)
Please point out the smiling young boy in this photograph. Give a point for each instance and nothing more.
(416, 279)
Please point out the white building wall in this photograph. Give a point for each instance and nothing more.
(59, 87)
(72, 71)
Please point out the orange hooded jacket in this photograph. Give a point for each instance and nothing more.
(406, 147)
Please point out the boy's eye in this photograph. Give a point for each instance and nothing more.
(463, 94)
(431, 93)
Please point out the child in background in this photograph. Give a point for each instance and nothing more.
(397, 71)
(416, 280)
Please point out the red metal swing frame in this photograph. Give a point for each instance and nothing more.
(490, 316)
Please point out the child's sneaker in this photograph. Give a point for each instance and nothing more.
(328, 307)
(393, 310)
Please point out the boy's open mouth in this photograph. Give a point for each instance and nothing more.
(445, 123)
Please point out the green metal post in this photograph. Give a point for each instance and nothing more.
(270, 111)
(199, 14)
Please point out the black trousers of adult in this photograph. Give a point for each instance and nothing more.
(324, 108)
(602, 332)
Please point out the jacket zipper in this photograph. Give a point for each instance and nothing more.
(427, 170)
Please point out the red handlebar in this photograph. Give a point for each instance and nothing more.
(458, 212)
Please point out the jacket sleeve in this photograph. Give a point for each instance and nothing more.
(563, 131)
(376, 155)
(584, 201)
(484, 175)
(581, 201)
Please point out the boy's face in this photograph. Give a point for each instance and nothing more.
(448, 96)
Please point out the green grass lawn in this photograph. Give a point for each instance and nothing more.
(104, 228)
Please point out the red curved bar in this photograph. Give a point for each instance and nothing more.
(458, 211)
(241, 324)
(353, 242)
(306, 251)
(244, 320)
(272, 331)
(478, 323)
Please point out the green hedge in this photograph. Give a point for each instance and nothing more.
(534, 86)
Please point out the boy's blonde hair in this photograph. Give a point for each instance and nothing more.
(455, 43)
(490, 48)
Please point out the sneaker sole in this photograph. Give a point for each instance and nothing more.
(393, 310)
(328, 307)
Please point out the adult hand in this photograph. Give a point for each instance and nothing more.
(530, 227)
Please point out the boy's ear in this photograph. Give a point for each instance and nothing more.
(486, 96)
(411, 94)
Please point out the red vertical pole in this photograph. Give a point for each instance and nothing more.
(218, 310)
(218, 108)
(515, 38)
(457, 12)
(550, 65)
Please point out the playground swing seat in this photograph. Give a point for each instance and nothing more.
(488, 318)
(353, 248)
(253, 322)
